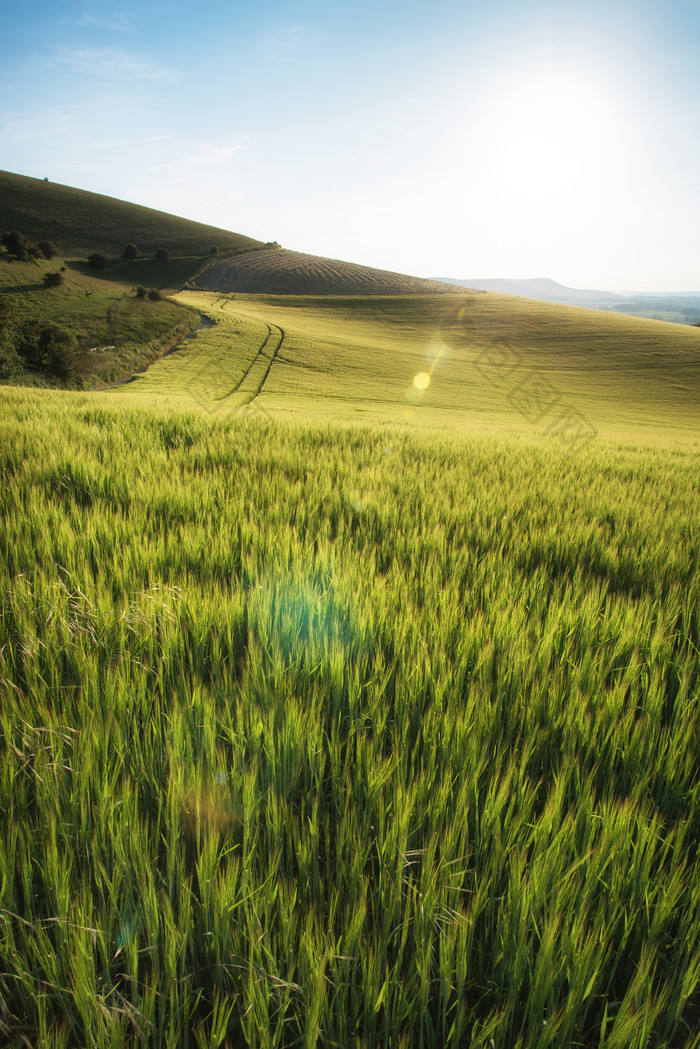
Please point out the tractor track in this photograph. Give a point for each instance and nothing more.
(253, 380)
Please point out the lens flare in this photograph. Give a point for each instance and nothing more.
(421, 381)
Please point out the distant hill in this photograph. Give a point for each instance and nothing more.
(282, 272)
(80, 223)
(538, 288)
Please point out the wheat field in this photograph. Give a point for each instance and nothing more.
(317, 732)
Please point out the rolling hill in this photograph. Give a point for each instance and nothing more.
(286, 272)
(80, 223)
(469, 361)
(539, 288)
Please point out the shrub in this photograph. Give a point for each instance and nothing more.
(51, 348)
(9, 361)
(130, 253)
(214, 250)
(53, 280)
(162, 255)
(154, 295)
(48, 249)
(97, 261)
(17, 245)
(141, 292)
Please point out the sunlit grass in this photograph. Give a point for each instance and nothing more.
(359, 736)
(492, 361)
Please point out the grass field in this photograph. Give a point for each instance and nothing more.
(327, 735)
(350, 681)
(493, 362)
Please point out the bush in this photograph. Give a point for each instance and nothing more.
(141, 292)
(53, 280)
(18, 246)
(214, 250)
(97, 261)
(48, 249)
(162, 255)
(51, 349)
(9, 361)
(130, 253)
(154, 295)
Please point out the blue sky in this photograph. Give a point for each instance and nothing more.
(508, 138)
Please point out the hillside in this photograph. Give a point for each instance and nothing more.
(285, 272)
(470, 361)
(81, 223)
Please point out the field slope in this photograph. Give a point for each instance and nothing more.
(286, 272)
(81, 223)
(350, 683)
(490, 362)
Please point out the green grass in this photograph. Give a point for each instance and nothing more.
(100, 313)
(316, 734)
(494, 363)
(339, 712)
(82, 223)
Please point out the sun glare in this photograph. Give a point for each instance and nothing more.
(550, 135)
(421, 381)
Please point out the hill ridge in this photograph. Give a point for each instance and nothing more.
(287, 272)
(81, 222)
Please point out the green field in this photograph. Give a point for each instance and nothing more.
(494, 362)
(350, 679)
(327, 735)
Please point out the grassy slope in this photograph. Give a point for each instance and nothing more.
(81, 223)
(101, 313)
(357, 357)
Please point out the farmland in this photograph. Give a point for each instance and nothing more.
(379, 736)
(350, 680)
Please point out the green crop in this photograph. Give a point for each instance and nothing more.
(317, 734)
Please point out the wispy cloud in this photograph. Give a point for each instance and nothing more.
(117, 22)
(113, 63)
(212, 154)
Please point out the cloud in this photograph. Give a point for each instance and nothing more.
(116, 22)
(212, 154)
(113, 63)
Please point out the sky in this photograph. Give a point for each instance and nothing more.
(446, 138)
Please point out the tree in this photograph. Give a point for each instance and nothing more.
(17, 245)
(48, 249)
(162, 255)
(214, 250)
(97, 261)
(52, 349)
(9, 360)
(53, 280)
(130, 253)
